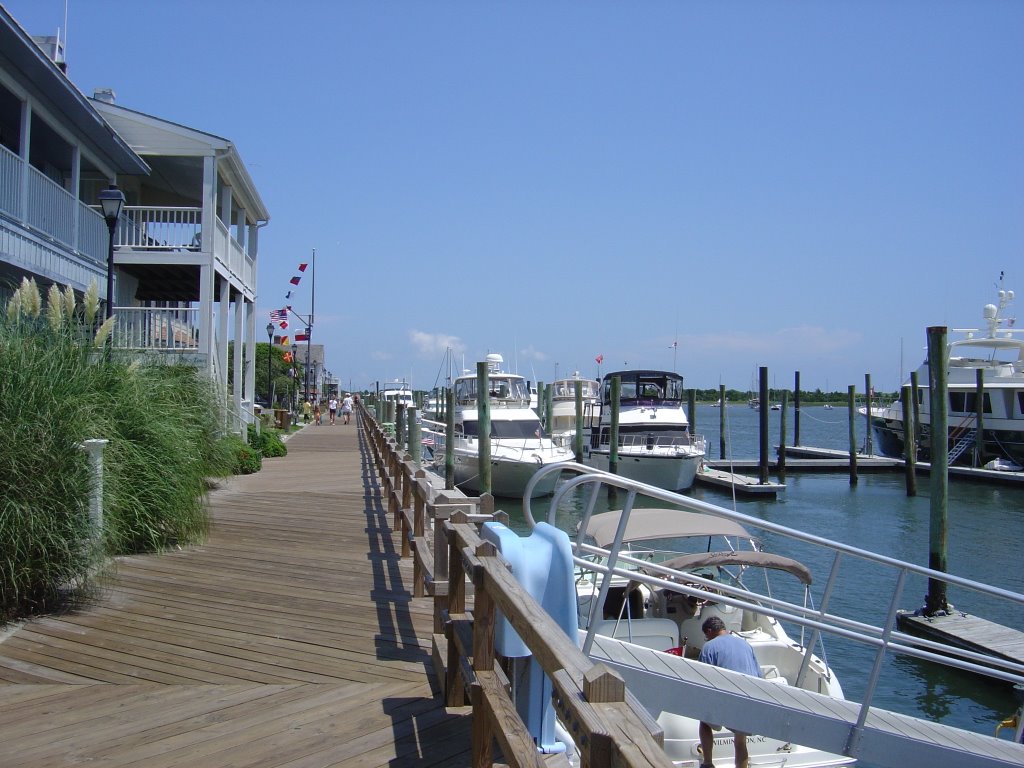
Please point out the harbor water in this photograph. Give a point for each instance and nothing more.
(985, 540)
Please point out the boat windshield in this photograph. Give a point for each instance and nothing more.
(501, 388)
(524, 429)
(650, 388)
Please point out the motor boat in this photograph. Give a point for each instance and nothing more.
(519, 446)
(563, 406)
(398, 392)
(655, 445)
(656, 577)
(997, 352)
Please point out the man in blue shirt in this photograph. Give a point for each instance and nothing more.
(729, 651)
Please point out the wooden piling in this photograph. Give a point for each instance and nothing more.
(449, 439)
(781, 472)
(415, 441)
(851, 399)
(613, 437)
(721, 422)
(938, 403)
(796, 409)
(762, 389)
(915, 392)
(483, 427)
(577, 438)
(979, 409)
(909, 445)
(868, 396)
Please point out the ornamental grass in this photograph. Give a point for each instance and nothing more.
(60, 385)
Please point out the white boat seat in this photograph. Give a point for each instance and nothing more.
(657, 634)
(771, 673)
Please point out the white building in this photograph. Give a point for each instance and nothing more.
(185, 250)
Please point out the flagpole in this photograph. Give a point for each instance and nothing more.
(309, 331)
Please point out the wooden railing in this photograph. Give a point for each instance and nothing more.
(440, 531)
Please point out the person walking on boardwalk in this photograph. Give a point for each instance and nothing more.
(346, 407)
(332, 409)
(307, 409)
(729, 651)
(317, 418)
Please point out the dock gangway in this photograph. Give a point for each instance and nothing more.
(853, 728)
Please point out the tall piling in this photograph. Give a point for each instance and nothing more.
(909, 445)
(483, 427)
(781, 469)
(577, 435)
(938, 404)
(763, 461)
(869, 393)
(721, 422)
(449, 439)
(851, 401)
(796, 409)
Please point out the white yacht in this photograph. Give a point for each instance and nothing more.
(518, 445)
(397, 391)
(655, 445)
(563, 406)
(997, 350)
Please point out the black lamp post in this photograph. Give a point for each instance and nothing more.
(111, 201)
(270, 349)
(295, 376)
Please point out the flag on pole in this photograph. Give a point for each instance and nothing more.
(288, 295)
(599, 359)
(279, 315)
(302, 336)
(283, 325)
(302, 267)
(673, 345)
(284, 343)
(295, 280)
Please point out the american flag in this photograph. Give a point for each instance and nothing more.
(279, 315)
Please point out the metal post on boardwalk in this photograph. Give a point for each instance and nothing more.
(483, 426)
(415, 441)
(938, 403)
(851, 401)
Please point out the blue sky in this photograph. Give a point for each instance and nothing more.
(800, 185)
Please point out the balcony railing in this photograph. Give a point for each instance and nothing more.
(160, 229)
(49, 209)
(164, 329)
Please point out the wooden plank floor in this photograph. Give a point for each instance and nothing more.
(289, 638)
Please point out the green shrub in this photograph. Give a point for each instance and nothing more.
(245, 459)
(267, 441)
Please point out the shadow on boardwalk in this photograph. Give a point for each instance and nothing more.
(289, 638)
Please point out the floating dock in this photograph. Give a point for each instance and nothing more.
(745, 484)
(966, 631)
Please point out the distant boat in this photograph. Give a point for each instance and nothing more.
(776, 406)
(998, 353)
(827, 406)
(655, 445)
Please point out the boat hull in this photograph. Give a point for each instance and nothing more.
(509, 476)
(673, 472)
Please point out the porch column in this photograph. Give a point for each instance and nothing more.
(236, 362)
(206, 312)
(250, 354)
(76, 176)
(240, 231)
(209, 206)
(223, 310)
(23, 153)
(252, 242)
(225, 206)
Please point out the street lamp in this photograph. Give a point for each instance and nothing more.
(295, 376)
(111, 201)
(270, 349)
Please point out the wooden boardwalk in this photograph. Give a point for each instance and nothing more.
(289, 638)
